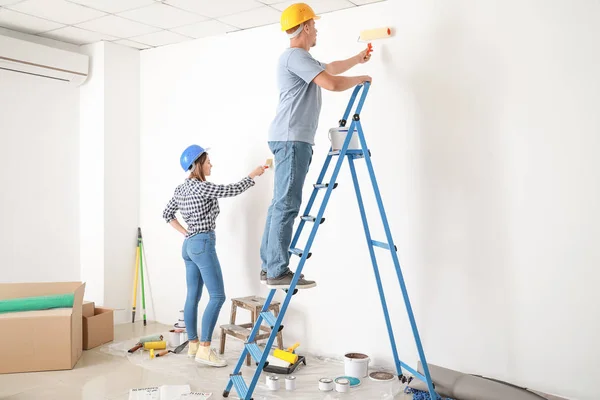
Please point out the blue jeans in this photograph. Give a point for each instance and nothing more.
(292, 160)
(202, 268)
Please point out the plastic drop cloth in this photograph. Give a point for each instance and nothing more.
(210, 379)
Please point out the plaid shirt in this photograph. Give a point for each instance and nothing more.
(198, 204)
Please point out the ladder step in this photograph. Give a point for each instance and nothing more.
(320, 186)
(269, 318)
(310, 218)
(240, 386)
(299, 252)
(383, 245)
(254, 351)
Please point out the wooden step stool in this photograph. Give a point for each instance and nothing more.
(254, 304)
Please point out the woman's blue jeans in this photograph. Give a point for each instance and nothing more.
(202, 268)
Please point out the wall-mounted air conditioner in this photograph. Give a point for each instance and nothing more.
(43, 61)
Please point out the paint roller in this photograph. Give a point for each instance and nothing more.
(153, 338)
(373, 34)
(155, 345)
(287, 355)
(284, 357)
(140, 343)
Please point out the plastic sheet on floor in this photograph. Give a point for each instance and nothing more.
(211, 379)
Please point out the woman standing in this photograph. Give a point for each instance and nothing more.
(196, 200)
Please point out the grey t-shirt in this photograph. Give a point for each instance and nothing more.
(299, 97)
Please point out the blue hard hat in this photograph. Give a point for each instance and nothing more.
(190, 155)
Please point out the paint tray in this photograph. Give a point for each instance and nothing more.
(285, 371)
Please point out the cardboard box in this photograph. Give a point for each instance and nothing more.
(99, 328)
(42, 340)
(87, 309)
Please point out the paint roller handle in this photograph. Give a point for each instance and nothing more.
(135, 348)
(365, 55)
(294, 347)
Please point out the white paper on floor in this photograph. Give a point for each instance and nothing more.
(213, 380)
(167, 392)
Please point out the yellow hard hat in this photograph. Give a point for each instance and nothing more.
(296, 14)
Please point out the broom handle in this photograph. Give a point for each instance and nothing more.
(141, 244)
(135, 282)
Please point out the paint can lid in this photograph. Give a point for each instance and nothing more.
(381, 376)
(353, 381)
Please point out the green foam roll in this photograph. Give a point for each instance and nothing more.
(37, 303)
(153, 338)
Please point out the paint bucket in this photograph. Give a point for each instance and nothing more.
(356, 365)
(174, 338)
(338, 135)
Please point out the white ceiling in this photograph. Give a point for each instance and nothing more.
(144, 24)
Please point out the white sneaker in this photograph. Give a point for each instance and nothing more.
(208, 356)
(193, 349)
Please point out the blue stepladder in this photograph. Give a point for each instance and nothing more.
(236, 380)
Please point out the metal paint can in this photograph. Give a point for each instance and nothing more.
(325, 384)
(342, 385)
(290, 382)
(273, 382)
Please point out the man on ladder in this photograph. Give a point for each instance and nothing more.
(292, 132)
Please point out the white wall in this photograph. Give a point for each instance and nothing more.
(39, 121)
(70, 185)
(110, 175)
(91, 166)
(122, 172)
(482, 120)
(39, 208)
